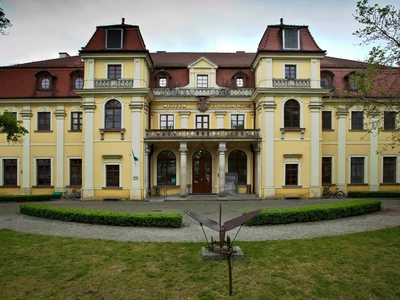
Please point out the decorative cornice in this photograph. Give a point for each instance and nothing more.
(112, 156)
(293, 155)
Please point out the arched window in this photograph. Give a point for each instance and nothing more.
(166, 168)
(237, 163)
(163, 79)
(240, 79)
(292, 114)
(45, 80)
(76, 80)
(113, 114)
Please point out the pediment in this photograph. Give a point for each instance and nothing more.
(203, 62)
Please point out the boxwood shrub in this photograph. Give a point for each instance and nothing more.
(379, 194)
(315, 212)
(25, 198)
(103, 217)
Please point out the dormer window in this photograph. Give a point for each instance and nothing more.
(240, 79)
(202, 81)
(76, 80)
(163, 81)
(327, 80)
(45, 80)
(114, 39)
(239, 82)
(291, 39)
(352, 81)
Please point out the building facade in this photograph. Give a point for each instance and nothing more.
(120, 122)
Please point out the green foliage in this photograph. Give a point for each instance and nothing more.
(315, 212)
(381, 24)
(103, 217)
(379, 194)
(4, 22)
(25, 198)
(12, 127)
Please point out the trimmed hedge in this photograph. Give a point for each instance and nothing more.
(103, 217)
(25, 198)
(315, 212)
(378, 194)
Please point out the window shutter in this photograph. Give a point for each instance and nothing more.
(114, 39)
(291, 38)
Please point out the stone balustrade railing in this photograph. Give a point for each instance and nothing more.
(202, 134)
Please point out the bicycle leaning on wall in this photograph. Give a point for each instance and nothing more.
(327, 193)
(74, 195)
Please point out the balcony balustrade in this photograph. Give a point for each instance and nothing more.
(125, 83)
(202, 134)
(291, 83)
(205, 92)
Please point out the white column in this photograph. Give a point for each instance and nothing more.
(269, 148)
(221, 170)
(373, 153)
(89, 79)
(220, 119)
(183, 168)
(342, 120)
(315, 188)
(314, 74)
(257, 180)
(136, 144)
(60, 116)
(213, 80)
(88, 185)
(184, 119)
(137, 82)
(146, 170)
(26, 152)
(269, 83)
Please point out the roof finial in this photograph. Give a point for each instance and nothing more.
(281, 21)
(123, 21)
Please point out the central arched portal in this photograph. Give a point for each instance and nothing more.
(202, 162)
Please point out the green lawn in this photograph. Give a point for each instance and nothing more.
(355, 266)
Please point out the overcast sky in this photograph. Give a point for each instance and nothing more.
(43, 28)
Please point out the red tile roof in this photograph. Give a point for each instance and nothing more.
(66, 62)
(133, 40)
(272, 39)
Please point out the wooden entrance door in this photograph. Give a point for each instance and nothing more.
(202, 172)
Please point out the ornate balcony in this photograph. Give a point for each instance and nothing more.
(204, 92)
(203, 134)
(125, 83)
(291, 83)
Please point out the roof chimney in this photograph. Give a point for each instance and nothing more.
(63, 54)
(281, 21)
(123, 21)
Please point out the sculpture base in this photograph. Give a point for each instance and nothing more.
(216, 255)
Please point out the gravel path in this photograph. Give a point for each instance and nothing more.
(10, 218)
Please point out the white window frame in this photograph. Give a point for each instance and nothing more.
(237, 113)
(105, 164)
(397, 167)
(284, 39)
(301, 104)
(197, 80)
(68, 168)
(73, 110)
(122, 38)
(2, 169)
(364, 119)
(291, 162)
(103, 108)
(163, 114)
(365, 168)
(11, 110)
(201, 114)
(108, 63)
(290, 64)
(42, 110)
(36, 158)
(332, 123)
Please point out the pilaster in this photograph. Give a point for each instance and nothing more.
(60, 116)
(183, 168)
(315, 161)
(136, 145)
(184, 119)
(220, 119)
(269, 148)
(342, 120)
(221, 169)
(268, 66)
(26, 115)
(373, 152)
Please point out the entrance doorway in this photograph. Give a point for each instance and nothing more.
(202, 161)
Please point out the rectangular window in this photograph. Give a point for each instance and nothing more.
(326, 170)
(389, 169)
(357, 170)
(290, 71)
(43, 172)
(291, 39)
(202, 81)
(202, 122)
(357, 120)
(114, 39)
(112, 176)
(166, 121)
(75, 172)
(239, 82)
(291, 174)
(43, 121)
(114, 71)
(76, 121)
(10, 172)
(163, 81)
(237, 121)
(326, 120)
(389, 120)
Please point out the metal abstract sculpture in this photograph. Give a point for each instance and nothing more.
(225, 245)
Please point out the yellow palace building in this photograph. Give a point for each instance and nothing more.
(120, 122)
